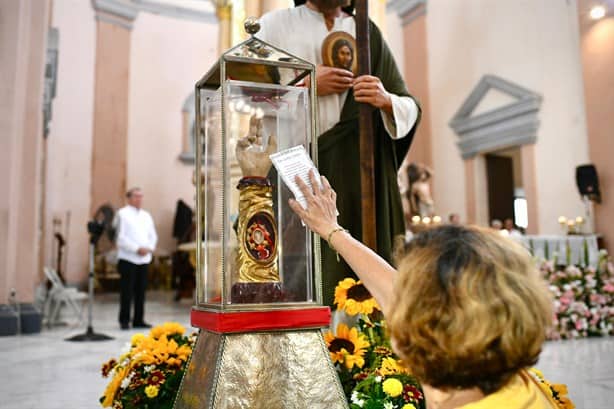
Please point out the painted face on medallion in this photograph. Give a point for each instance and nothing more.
(343, 54)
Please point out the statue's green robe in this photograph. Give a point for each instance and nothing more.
(339, 161)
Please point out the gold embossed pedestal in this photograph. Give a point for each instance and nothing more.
(281, 369)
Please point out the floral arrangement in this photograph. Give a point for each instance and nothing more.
(558, 391)
(148, 373)
(583, 298)
(372, 375)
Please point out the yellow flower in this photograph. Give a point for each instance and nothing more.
(151, 391)
(137, 338)
(109, 393)
(537, 372)
(392, 387)
(408, 406)
(347, 347)
(168, 328)
(353, 297)
(559, 388)
(391, 366)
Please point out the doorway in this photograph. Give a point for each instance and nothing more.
(500, 183)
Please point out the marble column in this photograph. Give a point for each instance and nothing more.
(23, 34)
(414, 19)
(111, 91)
(597, 53)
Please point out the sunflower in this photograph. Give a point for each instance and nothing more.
(347, 347)
(354, 298)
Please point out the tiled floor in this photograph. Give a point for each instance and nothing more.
(45, 372)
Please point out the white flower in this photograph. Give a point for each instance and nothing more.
(356, 400)
(378, 379)
(149, 368)
(126, 348)
(354, 397)
(126, 381)
(389, 405)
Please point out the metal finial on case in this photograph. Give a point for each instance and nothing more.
(252, 25)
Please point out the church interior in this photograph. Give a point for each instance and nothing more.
(516, 108)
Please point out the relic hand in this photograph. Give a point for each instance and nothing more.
(370, 90)
(252, 156)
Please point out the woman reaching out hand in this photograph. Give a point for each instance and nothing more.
(467, 310)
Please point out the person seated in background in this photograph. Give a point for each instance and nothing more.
(467, 310)
(509, 225)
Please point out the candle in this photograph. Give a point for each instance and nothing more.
(426, 220)
(436, 219)
(415, 220)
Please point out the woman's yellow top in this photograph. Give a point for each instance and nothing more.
(523, 391)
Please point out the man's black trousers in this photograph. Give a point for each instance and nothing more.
(132, 283)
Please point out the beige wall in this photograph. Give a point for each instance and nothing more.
(534, 44)
(167, 57)
(70, 137)
(394, 35)
(23, 31)
(597, 47)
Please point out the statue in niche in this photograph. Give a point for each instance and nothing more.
(419, 190)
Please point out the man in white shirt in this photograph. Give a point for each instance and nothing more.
(136, 241)
(301, 31)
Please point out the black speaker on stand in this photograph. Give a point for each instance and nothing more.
(588, 186)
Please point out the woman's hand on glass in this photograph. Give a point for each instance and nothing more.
(321, 212)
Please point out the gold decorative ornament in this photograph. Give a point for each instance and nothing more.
(257, 233)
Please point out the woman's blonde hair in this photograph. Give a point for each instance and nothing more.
(469, 308)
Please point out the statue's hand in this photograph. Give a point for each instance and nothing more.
(252, 156)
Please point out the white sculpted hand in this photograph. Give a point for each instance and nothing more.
(252, 156)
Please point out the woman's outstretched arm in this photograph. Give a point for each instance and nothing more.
(321, 217)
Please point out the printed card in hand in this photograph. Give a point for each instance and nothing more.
(294, 162)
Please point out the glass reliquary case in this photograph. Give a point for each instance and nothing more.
(253, 252)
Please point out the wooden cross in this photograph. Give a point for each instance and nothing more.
(367, 179)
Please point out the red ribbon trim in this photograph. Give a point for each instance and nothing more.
(244, 321)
